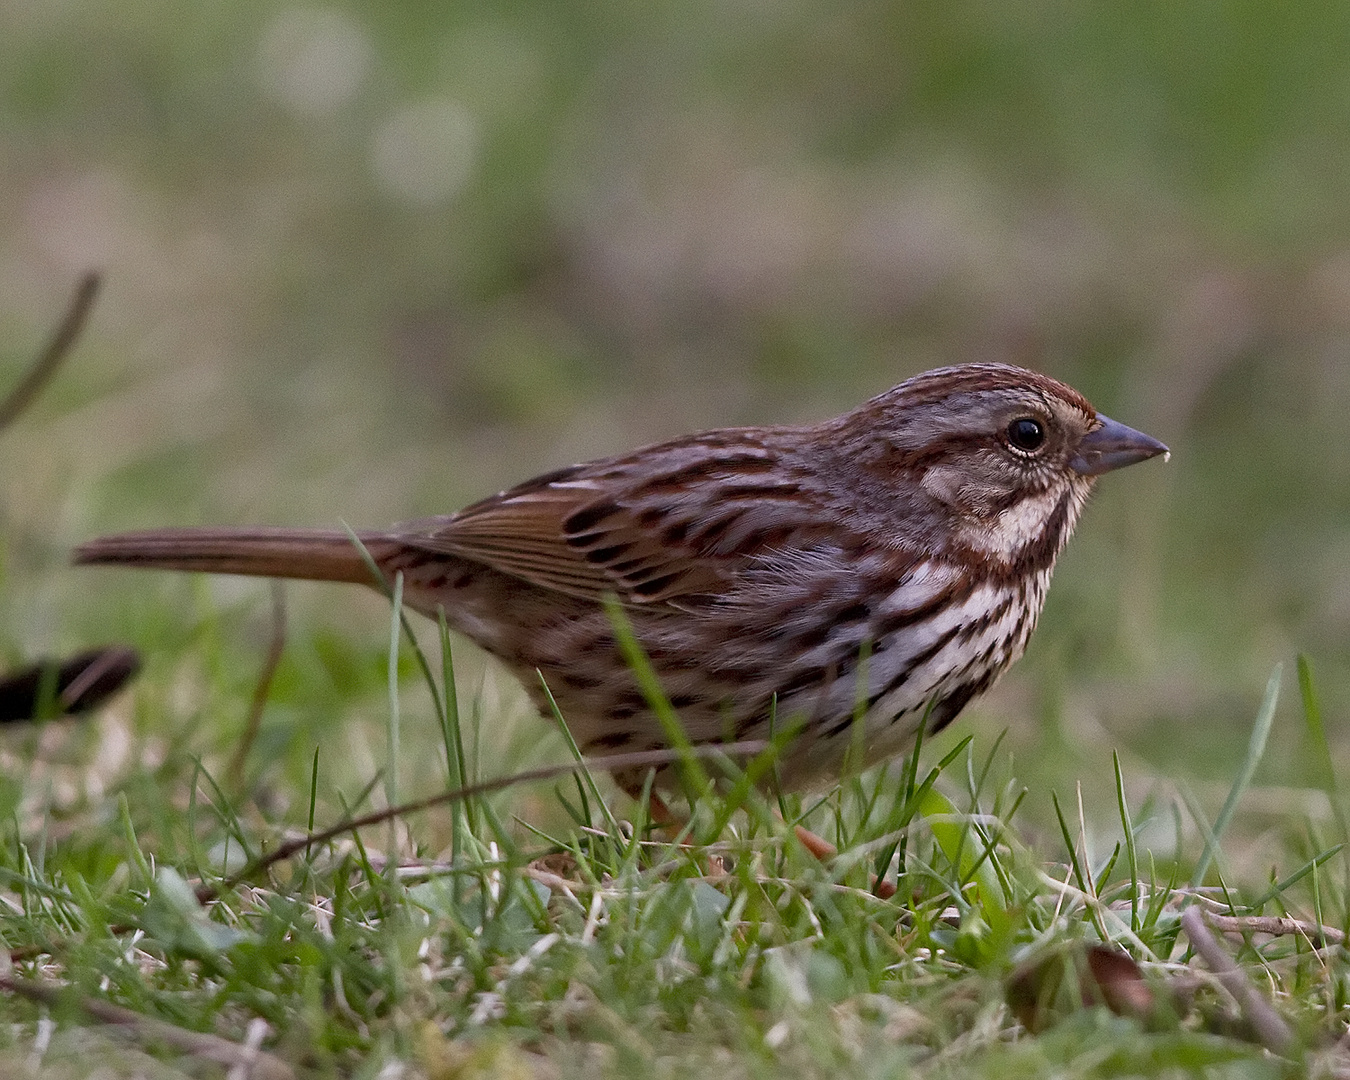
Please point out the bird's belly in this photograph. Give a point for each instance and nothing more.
(728, 694)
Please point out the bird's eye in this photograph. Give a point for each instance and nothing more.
(1026, 434)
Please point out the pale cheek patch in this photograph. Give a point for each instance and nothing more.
(1026, 521)
(1015, 527)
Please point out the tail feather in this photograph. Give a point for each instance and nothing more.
(310, 554)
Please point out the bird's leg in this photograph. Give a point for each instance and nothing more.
(823, 850)
(818, 846)
(672, 824)
(664, 817)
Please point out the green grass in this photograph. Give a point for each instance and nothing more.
(463, 941)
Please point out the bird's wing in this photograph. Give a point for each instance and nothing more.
(666, 525)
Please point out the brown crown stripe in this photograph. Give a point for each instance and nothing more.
(936, 385)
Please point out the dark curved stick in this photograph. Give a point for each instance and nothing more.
(58, 347)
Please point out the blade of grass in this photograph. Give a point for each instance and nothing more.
(446, 707)
(1202, 823)
(1131, 857)
(1083, 878)
(313, 795)
(1069, 844)
(463, 816)
(908, 777)
(1256, 746)
(642, 823)
(1317, 897)
(1158, 898)
(392, 724)
(692, 772)
(579, 815)
(777, 780)
(1284, 884)
(54, 353)
(583, 773)
(978, 783)
(379, 581)
(350, 823)
(1100, 883)
(226, 812)
(949, 827)
(137, 856)
(1005, 879)
(1312, 717)
(744, 781)
(198, 862)
(851, 774)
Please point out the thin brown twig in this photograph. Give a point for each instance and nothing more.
(112, 663)
(1320, 936)
(259, 1064)
(640, 759)
(275, 647)
(58, 347)
(1275, 1035)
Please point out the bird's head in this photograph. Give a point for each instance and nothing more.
(1003, 457)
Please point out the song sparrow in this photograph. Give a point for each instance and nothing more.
(894, 558)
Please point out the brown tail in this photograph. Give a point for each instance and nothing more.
(312, 554)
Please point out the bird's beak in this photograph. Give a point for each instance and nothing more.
(1113, 446)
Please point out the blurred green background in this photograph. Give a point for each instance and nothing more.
(368, 262)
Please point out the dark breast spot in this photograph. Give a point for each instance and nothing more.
(893, 621)
(816, 634)
(915, 662)
(714, 530)
(610, 740)
(950, 707)
(626, 705)
(577, 681)
(675, 532)
(854, 612)
(806, 679)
